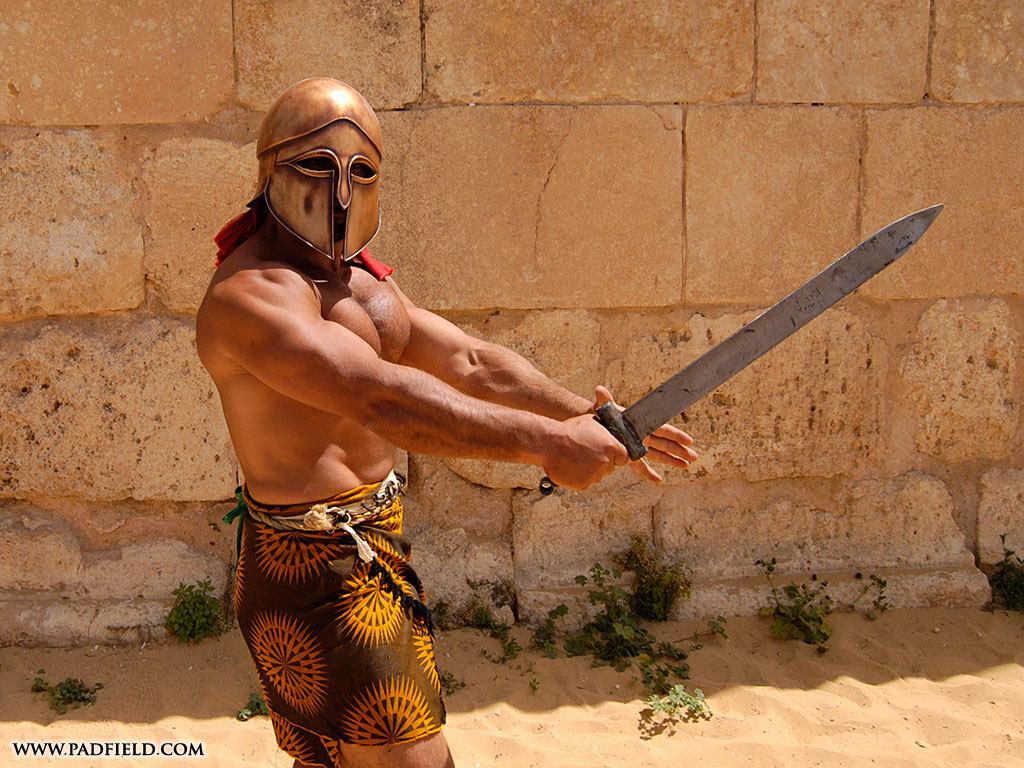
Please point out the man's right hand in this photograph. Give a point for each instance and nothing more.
(585, 454)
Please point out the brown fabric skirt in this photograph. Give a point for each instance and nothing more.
(343, 648)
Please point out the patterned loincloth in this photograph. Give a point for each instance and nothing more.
(343, 647)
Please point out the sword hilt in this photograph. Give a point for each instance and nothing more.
(611, 419)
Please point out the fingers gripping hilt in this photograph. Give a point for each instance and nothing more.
(611, 419)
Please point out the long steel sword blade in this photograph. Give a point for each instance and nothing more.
(725, 360)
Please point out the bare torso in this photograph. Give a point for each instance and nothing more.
(291, 452)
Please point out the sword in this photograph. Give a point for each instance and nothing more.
(722, 362)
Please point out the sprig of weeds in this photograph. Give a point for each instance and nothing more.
(676, 706)
(256, 707)
(880, 603)
(196, 613)
(1008, 581)
(798, 611)
(657, 585)
(450, 683)
(481, 617)
(544, 637)
(69, 692)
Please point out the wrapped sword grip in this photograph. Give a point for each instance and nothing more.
(611, 419)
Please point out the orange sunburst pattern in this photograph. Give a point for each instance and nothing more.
(423, 645)
(239, 578)
(291, 557)
(294, 741)
(367, 611)
(391, 518)
(389, 711)
(290, 657)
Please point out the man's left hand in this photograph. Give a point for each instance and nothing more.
(666, 445)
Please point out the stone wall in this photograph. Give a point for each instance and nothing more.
(608, 187)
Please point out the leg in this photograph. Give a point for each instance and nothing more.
(429, 752)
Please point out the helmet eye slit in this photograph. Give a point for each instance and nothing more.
(315, 165)
(362, 171)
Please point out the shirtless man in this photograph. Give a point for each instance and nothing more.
(323, 367)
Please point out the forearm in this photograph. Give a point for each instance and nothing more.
(499, 375)
(420, 413)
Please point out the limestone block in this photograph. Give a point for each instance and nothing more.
(150, 569)
(978, 52)
(1001, 510)
(972, 160)
(456, 566)
(534, 206)
(905, 522)
(960, 377)
(37, 551)
(771, 199)
(439, 498)
(952, 587)
(559, 537)
(373, 46)
(842, 51)
(565, 345)
(812, 406)
(44, 620)
(110, 409)
(69, 243)
(219, 178)
(81, 62)
(545, 50)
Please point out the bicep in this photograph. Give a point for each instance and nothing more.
(438, 346)
(300, 355)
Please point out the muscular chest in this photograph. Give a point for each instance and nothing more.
(369, 308)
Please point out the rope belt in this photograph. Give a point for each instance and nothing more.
(323, 518)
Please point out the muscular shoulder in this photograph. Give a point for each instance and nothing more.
(246, 299)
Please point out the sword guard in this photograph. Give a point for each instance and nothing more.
(611, 419)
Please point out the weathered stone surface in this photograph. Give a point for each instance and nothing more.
(771, 199)
(557, 538)
(101, 63)
(950, 587)
(150, 569)
(545, 50)
(813, 406)
(69, 243)
(906, 522)
(532, 208)
(565, 345)
(972, 161)
(37, 552)
(373, 46)
(978, 52)
(960, 376)
(1000, 510)
(842, 52)
(110, 409)
(439, 498)
(457, 567)
(43, 620)
(180, 252)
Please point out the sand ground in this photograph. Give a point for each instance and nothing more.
(921, 688)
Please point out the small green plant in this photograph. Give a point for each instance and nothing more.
(442, 613)
(798, 611)
(534, 685)
(70, 692)
(481, 617)
(544, 636)
(450, 683)
(675, 706)
(657, 585)
(880, 603)
(256, 706)
(1008, 581)
(196, 613)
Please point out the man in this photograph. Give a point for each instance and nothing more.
(323, 366)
